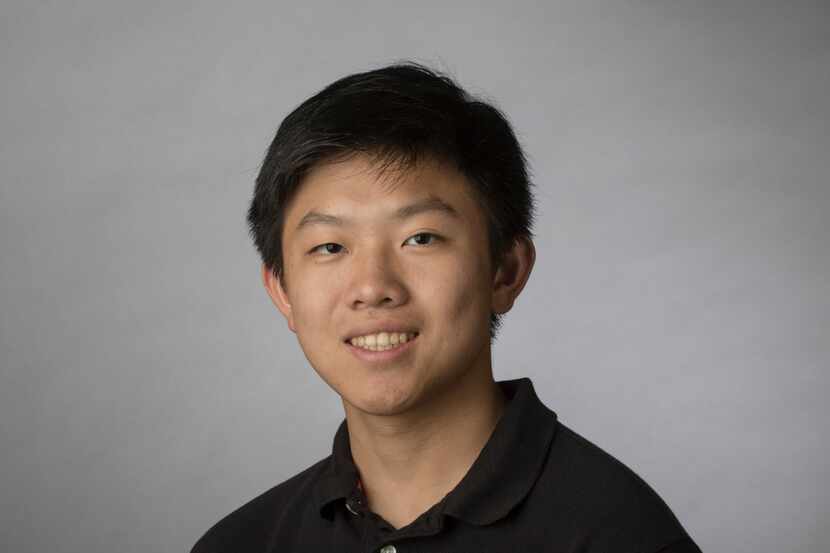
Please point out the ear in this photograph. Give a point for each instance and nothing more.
(273, 285)
(512, 274)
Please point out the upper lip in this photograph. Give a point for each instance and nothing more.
(377, 327)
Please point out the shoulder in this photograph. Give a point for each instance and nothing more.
(605, 498)
(250, 526)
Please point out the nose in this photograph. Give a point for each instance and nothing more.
(376, 281)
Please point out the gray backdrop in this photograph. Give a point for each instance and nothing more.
(677, 315)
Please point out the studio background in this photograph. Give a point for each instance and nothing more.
(677, 316)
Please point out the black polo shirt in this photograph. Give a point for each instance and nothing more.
(537, 486)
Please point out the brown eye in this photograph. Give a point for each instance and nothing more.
(424, 238)
(329, 248)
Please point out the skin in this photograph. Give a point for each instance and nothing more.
(416, 423)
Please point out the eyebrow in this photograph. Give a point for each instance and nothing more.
(429, 204)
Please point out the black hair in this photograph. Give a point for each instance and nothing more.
(397, 114)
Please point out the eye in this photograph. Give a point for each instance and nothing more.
(329, 248)
(422, 236)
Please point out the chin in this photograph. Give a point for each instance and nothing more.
(380, 401)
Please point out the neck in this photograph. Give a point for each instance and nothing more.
(409, 462)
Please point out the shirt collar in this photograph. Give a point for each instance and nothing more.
(340, 476)
(502, 475)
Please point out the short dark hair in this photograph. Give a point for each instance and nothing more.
(397, 114)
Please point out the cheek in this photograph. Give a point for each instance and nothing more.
(312, 303)
(459, 295)
(315, 329)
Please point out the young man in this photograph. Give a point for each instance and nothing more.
(393, 216)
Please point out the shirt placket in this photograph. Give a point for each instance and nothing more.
(377, 535)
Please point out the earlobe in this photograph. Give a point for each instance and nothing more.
(276, 291)
(512, 274)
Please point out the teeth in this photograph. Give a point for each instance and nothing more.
(381, 341)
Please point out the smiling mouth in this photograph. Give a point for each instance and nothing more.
(382, 341)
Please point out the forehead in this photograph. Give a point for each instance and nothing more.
(361, 188)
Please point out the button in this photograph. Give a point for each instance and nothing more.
(388, 549)
(351, 509)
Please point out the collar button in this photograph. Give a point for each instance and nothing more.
(351, 508)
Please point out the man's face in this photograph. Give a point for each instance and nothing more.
(407, 253)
